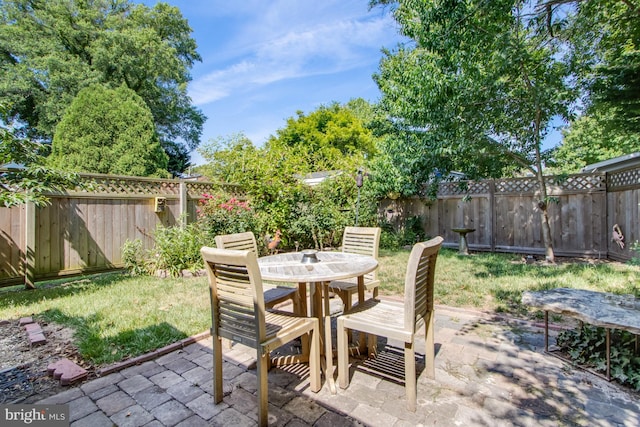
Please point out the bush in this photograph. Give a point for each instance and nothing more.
(224, 214)
(177, 248)
(408, 235)
(134, 258)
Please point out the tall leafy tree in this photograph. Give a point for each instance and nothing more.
(108, 131)
(603, 45)
(480, 80)
(50, 50)
(331, 137)
(26, 178)
(588, 140)
(604, 38)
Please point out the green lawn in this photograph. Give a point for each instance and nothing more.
(116, 316)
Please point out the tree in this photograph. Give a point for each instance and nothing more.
(604, 39)
(602, 44)
(331, 137)
(327, 139)
(108, 131)
(481, 79)
(588, 140)
(26, 178)
(51, 50)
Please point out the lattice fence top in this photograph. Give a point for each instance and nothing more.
(623, 180)
(123, 186)
(463, 187)
(120, 186)
(555, 185)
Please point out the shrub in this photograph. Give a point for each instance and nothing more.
(224, 214)
(134, 258)
(177, 248)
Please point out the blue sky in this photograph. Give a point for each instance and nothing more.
(264, 60)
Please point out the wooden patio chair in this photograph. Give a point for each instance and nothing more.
(362, 241)
(238, 313)
(273, 294)
(399, 321)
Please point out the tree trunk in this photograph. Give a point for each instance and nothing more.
(544, 216)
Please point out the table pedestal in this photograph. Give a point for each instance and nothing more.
(464, 248)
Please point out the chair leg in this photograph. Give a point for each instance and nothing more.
(217, 370)
(345, 296)
(410, 379)
(429, 353)
(314, 360)
(297, 306)
(343, 354)
(372, 345)
(263, 391)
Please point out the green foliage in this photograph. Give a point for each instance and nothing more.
(604, 38)
(591, 139)
(177, 248)
(587, 346)
(28, 179)
(330, 138)
(635, 259)
(407, 235)
(111, 132)
(334, 138)
(322, 212)
(54, 49)
(485, 92)
(133, 257)
(476, 90)
(223, 214)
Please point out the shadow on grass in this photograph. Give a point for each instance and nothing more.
(60, 288)
(99, 348)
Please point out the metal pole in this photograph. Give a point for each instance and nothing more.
(357, 206)
(359, 182)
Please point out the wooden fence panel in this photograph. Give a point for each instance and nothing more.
(623, 205)
(506, 216)
(12, 242)
(84, 230)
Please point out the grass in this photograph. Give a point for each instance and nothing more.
(116, 316)
(495, 281)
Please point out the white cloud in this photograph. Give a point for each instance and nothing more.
(289, 41)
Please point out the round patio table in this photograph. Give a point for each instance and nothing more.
(289, 267)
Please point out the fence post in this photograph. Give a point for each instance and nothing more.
(492, 212)
(30, 245)
(184, 213)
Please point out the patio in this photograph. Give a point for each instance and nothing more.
(489, 372)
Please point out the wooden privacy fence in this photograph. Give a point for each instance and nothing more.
(83, 231)
(583, 210)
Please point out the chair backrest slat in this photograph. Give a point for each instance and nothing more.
(362, 241)
(419, 281)
(237, 241)
(237, 299)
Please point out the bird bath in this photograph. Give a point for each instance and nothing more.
(464, 248)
